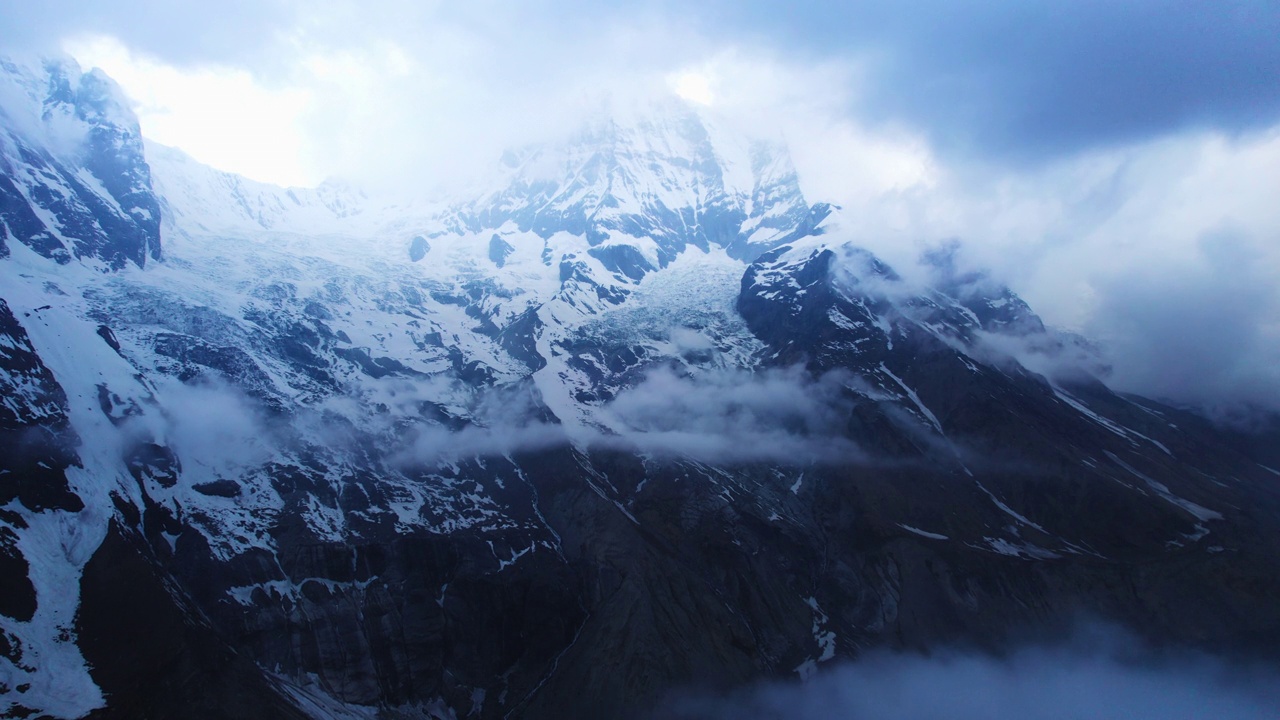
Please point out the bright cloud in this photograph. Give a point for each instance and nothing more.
(221, 116)
(694, 87)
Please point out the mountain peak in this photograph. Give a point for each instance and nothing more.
(73, 147)
(642, 181)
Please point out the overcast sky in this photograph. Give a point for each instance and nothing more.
(1118, 163)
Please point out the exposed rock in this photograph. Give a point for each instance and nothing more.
(151, 654)
(418, 248)
(218, 488)
(499, 250)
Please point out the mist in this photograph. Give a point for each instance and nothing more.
(503, 421)
(779, 415)
(1080, 681)
(214, 425)
(728, 416)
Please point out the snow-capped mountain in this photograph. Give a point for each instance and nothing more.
(634, 415)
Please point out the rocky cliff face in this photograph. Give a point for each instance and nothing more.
(639, 417)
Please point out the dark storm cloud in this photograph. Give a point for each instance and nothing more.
(1026, 81)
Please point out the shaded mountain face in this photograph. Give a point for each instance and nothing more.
(637, 417)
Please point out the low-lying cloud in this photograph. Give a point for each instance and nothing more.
(215, 425)
(737, 416)
(727, 416)
(1214, 342)
(1033, 684)
(501, 422)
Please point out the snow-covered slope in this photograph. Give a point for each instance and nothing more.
(201, 200)
(636, 398)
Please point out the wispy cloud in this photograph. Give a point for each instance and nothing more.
(773, 415)
(727, 416)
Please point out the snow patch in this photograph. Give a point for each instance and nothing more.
(923, 533)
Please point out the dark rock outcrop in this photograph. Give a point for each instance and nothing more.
(151, 653)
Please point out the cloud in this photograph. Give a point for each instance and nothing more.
(243, 32)
(221, 116)
(1205, 333)
(1039, 683)
(737, 416)
(433, 445)
(215, 426)
(724, 416)
(1028, 82)
(1164, 254)
(995, 80)
(502, 421)
(388, 94)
